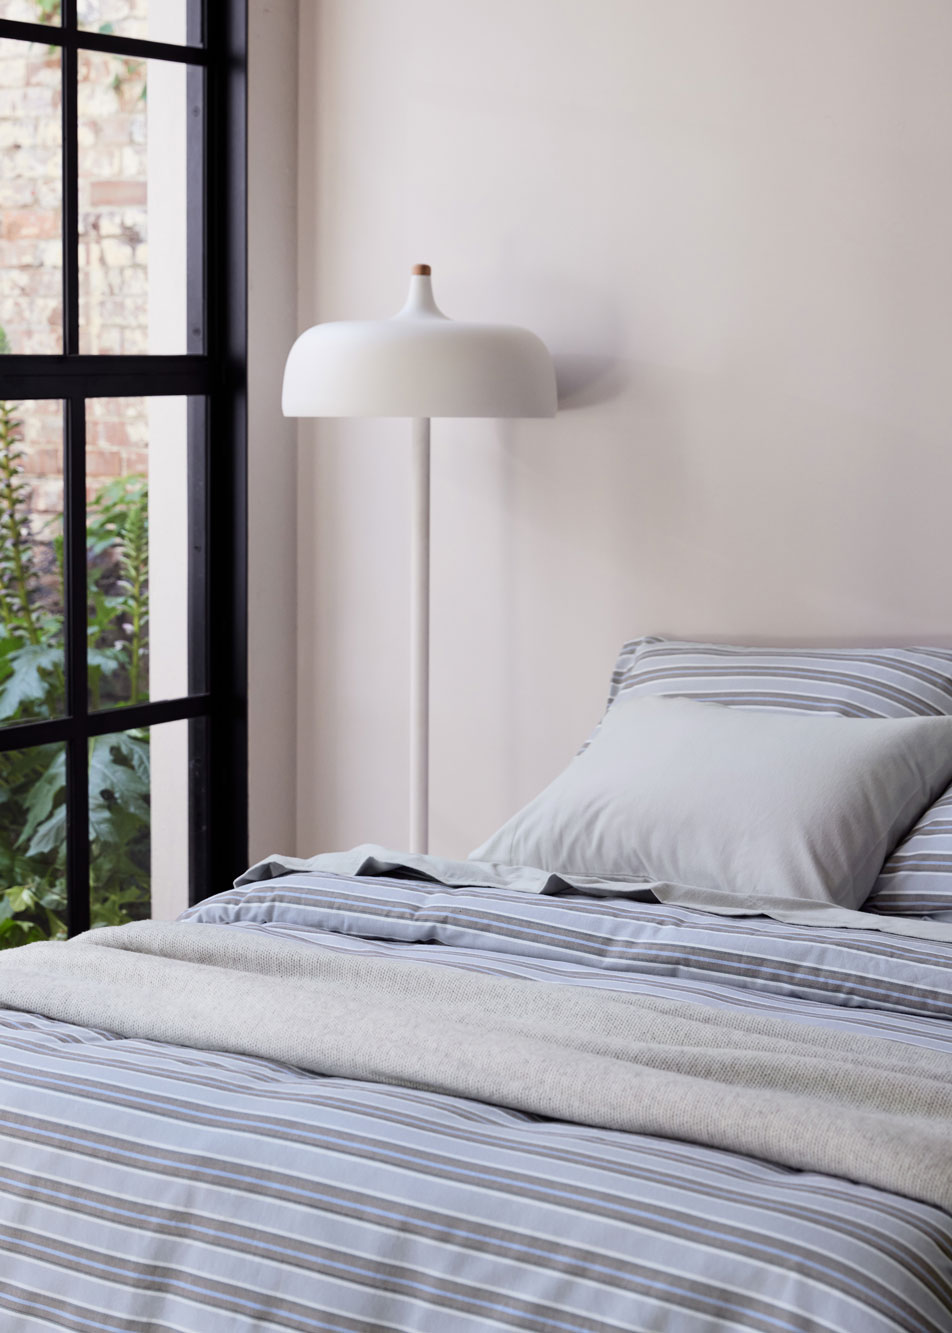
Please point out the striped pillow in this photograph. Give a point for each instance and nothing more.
(917, 878)
(848, 682)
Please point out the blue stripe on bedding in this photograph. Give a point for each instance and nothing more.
(148, 1187)
(845, 967)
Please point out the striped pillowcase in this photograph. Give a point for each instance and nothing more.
(848, 682)
(917, 878)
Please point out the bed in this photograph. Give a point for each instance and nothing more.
(147, 1185)
(189, 1146)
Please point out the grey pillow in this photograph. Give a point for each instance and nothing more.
(771, 804)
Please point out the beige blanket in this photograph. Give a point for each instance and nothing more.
(876, 1111)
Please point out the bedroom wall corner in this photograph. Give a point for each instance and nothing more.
(272, 441)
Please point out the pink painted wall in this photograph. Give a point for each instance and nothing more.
(730, 221)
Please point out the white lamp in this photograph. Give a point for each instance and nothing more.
(419, 364)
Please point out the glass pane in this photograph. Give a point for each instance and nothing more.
(139, 819)
(137, 538)
(154, 20)
(32, 845)
(133, 242)
(32, 664)
(31, 11)
(31, 254)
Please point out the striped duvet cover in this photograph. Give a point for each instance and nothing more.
(146, 1187)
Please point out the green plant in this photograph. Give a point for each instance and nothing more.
(31, 630)
(33, 781)
(33, 901)
(16, 554)
(117, 542)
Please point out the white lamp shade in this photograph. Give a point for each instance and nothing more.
(418, 364)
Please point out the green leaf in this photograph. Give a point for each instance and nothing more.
(20, 932)
(119, 787)
(130, 903)
(54, 899)
(50, 834)
(21, 899)
(105, 660)
(42, 797)
(132, 748)
(12, 932)
(29, 680)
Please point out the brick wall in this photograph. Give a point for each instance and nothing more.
(113, 242)
(30, 248)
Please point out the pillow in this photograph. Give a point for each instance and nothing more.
(764, 804)
(850, 682)
(917, 878)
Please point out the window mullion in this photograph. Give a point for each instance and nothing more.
(77, 696)
(70, 184)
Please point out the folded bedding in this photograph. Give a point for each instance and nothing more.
(325, 1101)
(370, 860)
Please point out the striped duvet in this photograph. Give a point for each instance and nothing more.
(151, 1187)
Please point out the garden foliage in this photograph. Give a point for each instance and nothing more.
(32, 685)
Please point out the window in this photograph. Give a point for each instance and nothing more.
(123, 747)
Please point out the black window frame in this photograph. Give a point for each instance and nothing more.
(212, 373)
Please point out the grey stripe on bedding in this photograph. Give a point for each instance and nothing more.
(368, 861)
(850, 682)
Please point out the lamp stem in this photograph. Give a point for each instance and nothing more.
(420, 635)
